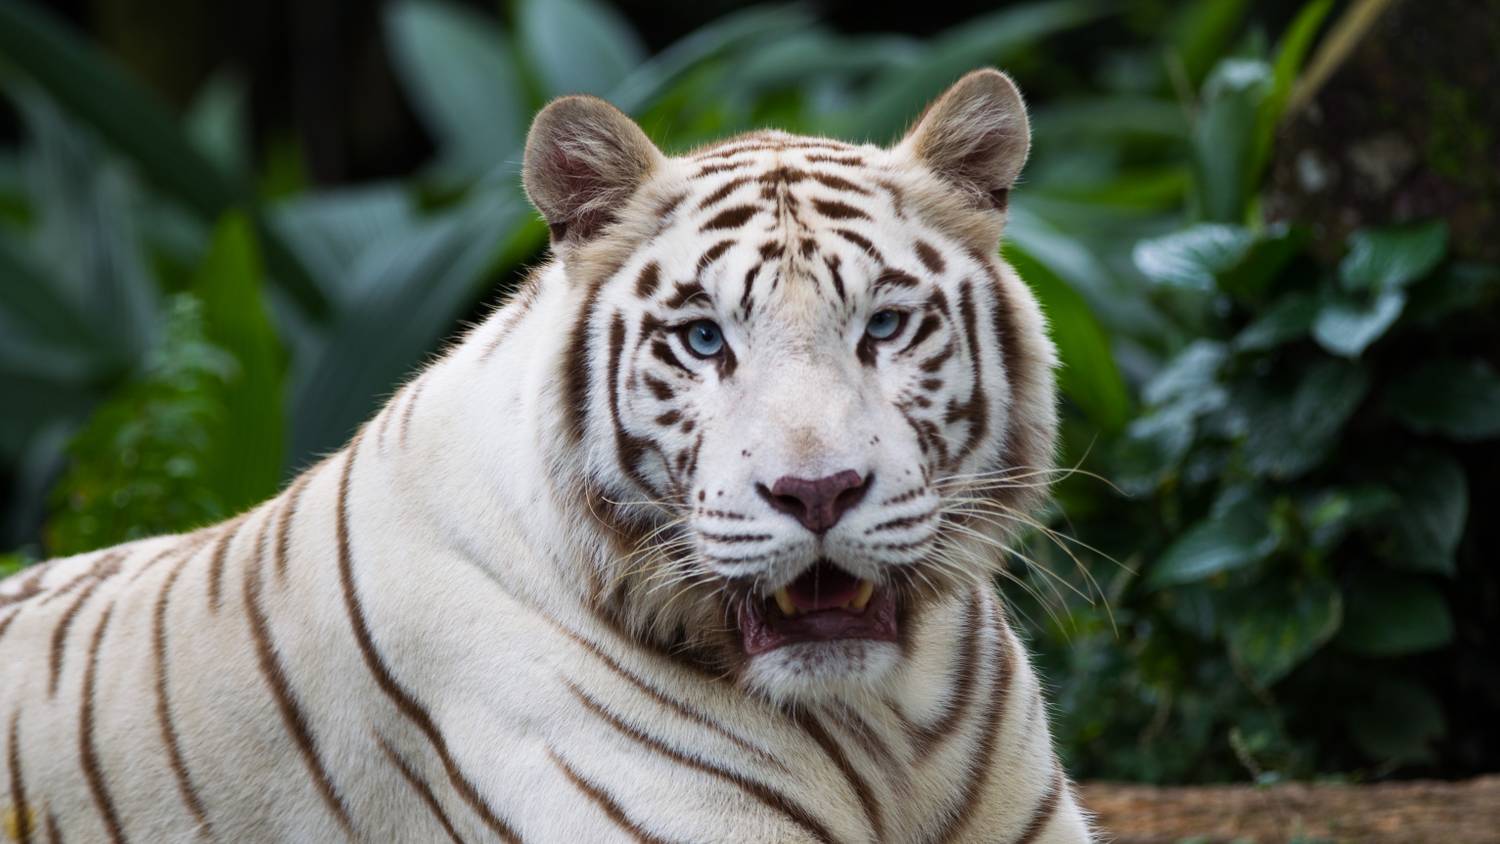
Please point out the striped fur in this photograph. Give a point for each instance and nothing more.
(506, 611)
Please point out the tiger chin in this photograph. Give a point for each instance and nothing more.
(694, 539)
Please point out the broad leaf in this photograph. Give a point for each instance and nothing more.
(1226, 139)
(249, 449)
(1346, 326)
(1394, 616)
(577, 46)
(1429, 524)
(1391, 258)
(1230, 540)
(1193, 258)
(1290, 318)
(1282, 624)
(1289, 429)
(1447, 396)
(1192, 376)
(460, 76)
(1089, 376)
(899, 95)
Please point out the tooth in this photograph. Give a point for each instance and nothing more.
(862, 597)
(784, 600)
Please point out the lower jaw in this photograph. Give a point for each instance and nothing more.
(764, 629)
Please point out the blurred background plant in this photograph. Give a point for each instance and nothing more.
(1271, 561)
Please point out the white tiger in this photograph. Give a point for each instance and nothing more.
(691, 541)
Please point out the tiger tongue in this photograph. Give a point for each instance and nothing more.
(822, 587)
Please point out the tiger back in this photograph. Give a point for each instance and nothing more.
(692, 540)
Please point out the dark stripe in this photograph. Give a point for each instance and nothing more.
(668, 701)
(862, 242)
(659, 388)
(722, 167)
(837, 182)
(216, 563)
(875, 747)
(169, 738)
(411, 405)
(102, 570)
(750, 275)
(576, 373)
(87, 754)
(1045, 809)
(286, 701)
(724, 191)
(18, 805)
(730, 218)
(647, 282)
(284, 524)
(713, 254)
(898, 197)
(838, 278)
(662, 351)
(857, 783)
(929, 738)
(982, 759)
(929, 257)
(54, 834)
(601, 798)
(684, 292)
(628, 449)
(846, 160)
(405, 703)
(767, 796)
(895, 278)
(421, 788)
(929, 324)
(835, 210)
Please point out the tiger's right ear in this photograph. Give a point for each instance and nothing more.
(584, 160)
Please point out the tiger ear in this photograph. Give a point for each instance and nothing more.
(975, 137)
(584, 159)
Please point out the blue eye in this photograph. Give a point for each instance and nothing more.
(885, 324)
(704, 338)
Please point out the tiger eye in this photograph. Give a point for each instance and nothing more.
(885, 324)
(704, 338)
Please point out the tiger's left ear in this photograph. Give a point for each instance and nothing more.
(584, 160)
(975, 137)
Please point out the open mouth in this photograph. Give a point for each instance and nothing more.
(825, 603)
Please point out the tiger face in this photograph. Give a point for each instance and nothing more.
(797, 366)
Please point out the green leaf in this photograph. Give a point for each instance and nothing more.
(1192, 376)
(1332, 512)
(1227, 138)
(218, 124)
(96, 92)
(577, 46)
(1455, 398)
(1226, 541)
(1282, 624)
(1193, 258)
(1289, 318)
(735, 31)
(250, 448)
(1390, 615)
(1200, 32)
(1347, 326)
(899, 95)
(1288, 432)
(1089, 376)
(1397, 721)
(460, 75)
(1429, 524)
(1391, 258)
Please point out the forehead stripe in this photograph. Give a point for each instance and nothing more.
(730, 218)
(835, 210)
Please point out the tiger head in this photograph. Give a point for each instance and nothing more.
(803, 397)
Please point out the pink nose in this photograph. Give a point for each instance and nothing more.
(817, 503)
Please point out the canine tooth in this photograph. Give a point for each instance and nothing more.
(784, 600)
(862, 597)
